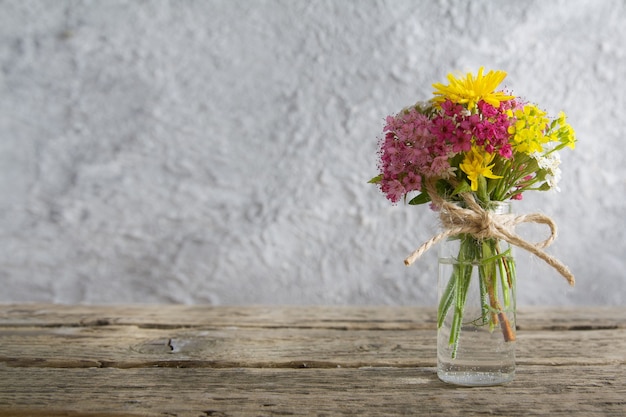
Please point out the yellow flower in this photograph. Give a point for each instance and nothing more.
(529, 129)
(476, 163)
(565, 134)
(470, 90)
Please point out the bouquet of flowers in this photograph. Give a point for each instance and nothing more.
(467, 148)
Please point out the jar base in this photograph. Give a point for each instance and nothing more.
(473, 378)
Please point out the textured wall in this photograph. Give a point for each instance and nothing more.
(218, 151)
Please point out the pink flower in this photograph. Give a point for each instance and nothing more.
(440, 166)
(443, 128)
(393, 190)
(486, 109)
(412, 182)
(450, 109)
(406, 152)
(490, 127)
(506, 151)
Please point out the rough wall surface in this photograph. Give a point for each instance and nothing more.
(218, 151)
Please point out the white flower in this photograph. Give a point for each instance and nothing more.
(554, 179)
(550, 162)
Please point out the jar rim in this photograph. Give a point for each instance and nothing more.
(498, 207)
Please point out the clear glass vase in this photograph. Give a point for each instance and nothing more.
(476, 312)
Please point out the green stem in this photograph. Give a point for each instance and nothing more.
(446, 298)
(489, 277)
(463, 272)
(496, 269)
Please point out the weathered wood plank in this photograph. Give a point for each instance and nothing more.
(177, 316)
(537, 391)
(305, 317)
(198, 361)
(130, 346)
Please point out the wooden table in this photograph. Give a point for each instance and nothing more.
(294, 361)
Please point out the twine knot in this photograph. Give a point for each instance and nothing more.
(484, 224)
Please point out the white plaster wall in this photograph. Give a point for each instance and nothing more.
(218, 151)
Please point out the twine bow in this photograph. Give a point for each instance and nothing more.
(482, 224)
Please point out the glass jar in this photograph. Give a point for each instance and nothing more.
(476, 310)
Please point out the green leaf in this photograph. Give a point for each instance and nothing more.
(463, 187)
(541, 175)
(491, 185)
(482, 189)
(422, 198)
(376, 179)
(544, 187)
(443, 188)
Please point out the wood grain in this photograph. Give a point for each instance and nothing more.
(263, 361)
(537, 390)
(336, 317)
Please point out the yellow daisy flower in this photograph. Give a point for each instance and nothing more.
(478, 163)
(469, 90)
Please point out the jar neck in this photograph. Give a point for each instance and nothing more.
(495, 207)
(499, 207)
